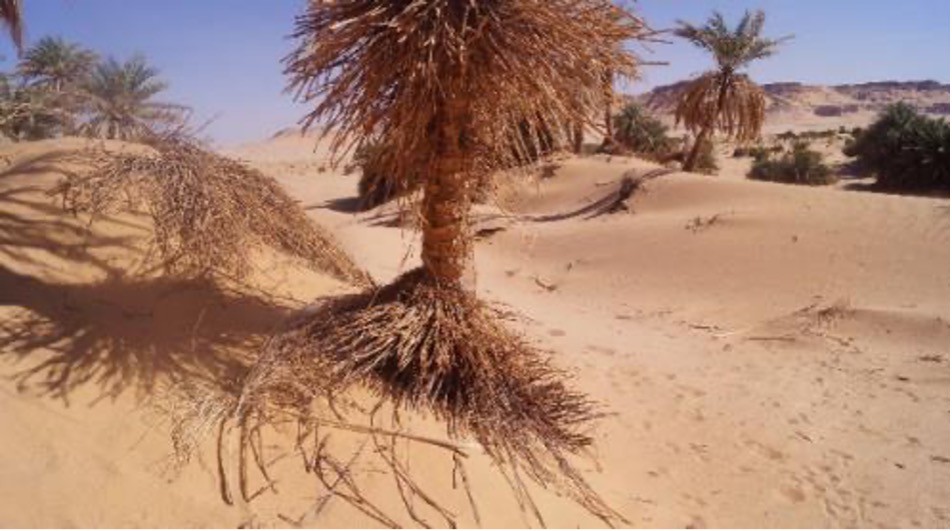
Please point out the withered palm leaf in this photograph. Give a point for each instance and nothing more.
(448, 84)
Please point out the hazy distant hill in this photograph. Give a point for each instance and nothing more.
(798, 99)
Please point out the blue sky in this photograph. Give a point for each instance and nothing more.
(222, 57)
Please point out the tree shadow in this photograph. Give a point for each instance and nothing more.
(122, 334)
(345, 205)
(616, 200)
(61, 331)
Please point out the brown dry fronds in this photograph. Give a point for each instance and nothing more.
(741, 114)
(435, 349)
(210, 213)
(386, 67)
(11, 12)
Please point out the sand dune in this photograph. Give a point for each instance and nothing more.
(773, 355)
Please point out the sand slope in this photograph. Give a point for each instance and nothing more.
(774, 355)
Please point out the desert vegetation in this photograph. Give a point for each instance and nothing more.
(724, 99)
(280, 353)
(639, 132)
(904, 150)
(61, 88)
(797, 165)
(448, 115)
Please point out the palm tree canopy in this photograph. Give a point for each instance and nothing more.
(54, 63)
(11, 12)
(732, 104)
(396, 65)
(732, 49)
(121, 99)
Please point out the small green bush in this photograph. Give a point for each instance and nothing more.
(800, 165)
(905, 150)
(641, 133)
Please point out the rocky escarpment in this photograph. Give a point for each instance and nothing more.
(827, 100)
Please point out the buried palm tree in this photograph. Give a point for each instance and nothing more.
(724, 99)
(121, 101)
(448, 82)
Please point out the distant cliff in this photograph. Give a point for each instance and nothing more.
(827, 100)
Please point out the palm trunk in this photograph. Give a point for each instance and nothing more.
(609, 99)
(447, 247)
(578, 134)
(702, 137)
(691, 161)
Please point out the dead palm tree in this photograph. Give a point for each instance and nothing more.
(121, 101)
(724, 99)
(449, 83)
(11, 12)
(56, 65)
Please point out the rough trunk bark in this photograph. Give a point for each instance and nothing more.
(447, 246)
(578, 134)
(609, 99)
(691, 160)
(702, 137)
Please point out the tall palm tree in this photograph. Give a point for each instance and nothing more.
(449, 78)
(121, 101)
(54, 64)
(11, 12)
(725, 99)
(449, 83)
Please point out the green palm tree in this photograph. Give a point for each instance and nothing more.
(121, 102)
(725, 99)
(57, 65)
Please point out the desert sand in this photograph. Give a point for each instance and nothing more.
(771, 355)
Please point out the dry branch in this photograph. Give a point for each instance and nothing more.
(209, 213)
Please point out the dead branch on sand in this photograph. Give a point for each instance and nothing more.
(209, 212)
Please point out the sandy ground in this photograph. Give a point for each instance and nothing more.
(773, 355)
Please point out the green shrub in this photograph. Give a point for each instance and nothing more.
(904, 150)
(641, 133)
(800, 165)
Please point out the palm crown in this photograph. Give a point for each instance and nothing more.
(732, 49)
(121, 101)
(56, 64)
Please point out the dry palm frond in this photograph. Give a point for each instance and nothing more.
(731, 104)
(378, 66)
(456, 88)
(11, 12)
(209, 212)
(425, 347)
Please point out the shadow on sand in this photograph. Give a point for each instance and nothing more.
(122, 334)
(116, 333)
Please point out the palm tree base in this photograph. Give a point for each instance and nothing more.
(442, 351)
